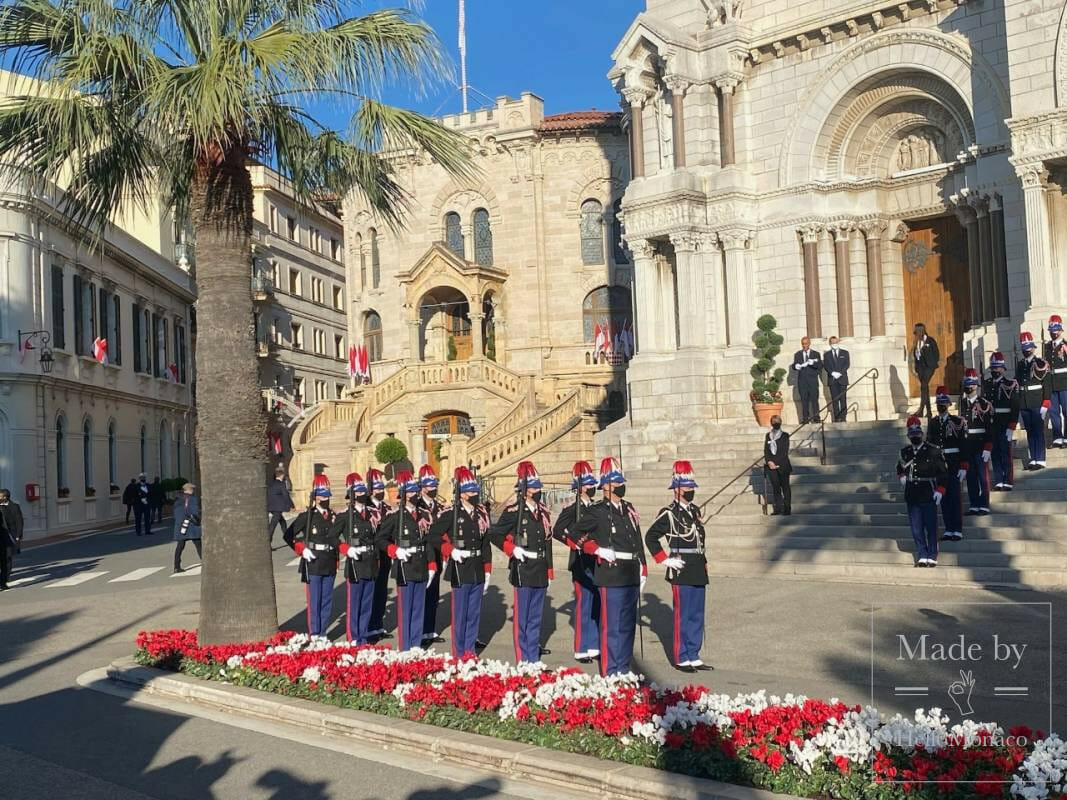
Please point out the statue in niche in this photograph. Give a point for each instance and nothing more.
(904, 156)
(665, 132)
(924, 148)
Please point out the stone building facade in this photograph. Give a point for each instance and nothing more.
(851, 168)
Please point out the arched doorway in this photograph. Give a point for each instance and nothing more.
(443, 424)
(444, 326)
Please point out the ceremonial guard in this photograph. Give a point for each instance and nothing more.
(313, 535)
(404, 536)
(613, 535)
(1003, 393)
(585, 618)
(683, 555)
(919, 469)
(467, 555)
(949, 432)
(376, 484)
(524, 532)
(1056, 356)
(357, 530)
(429, 502)
(978, 414)
(1035, 392)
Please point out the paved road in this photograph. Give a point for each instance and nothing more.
(78, 605)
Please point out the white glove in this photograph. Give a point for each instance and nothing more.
(1009, 434)
(799, 367)
(641, 586)
(458, 556)
(520, 553)
(352, 553)
(836, 375)
(1044, 412)
(429, 577)
(937, 498)
(903, 479)
(307, 554)
(961, 474)
(403, 553)
(985, 456)
(605, 554)
(673, 563)
(485, 586)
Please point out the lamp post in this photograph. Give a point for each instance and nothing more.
(46, 359)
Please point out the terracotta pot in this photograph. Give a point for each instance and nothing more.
(764, 412)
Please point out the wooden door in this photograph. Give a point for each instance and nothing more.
(937, 294)
(439, 424)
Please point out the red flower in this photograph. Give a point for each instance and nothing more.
(776, 760)
(843, 764)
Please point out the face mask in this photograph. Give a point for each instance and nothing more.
(688, 495)
(473, 499)
(536, 497)
(362, 499)
(777, 426)
(379, 496)
(915, 440)
(620, 491)
(431, 493)
(590, 492)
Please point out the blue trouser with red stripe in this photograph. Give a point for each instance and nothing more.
(410, 614)
(978, 482)
(1035, 432)
(433, 598)
(1003, 465)
(688, 623)
(360, 602)
(526, 622)
(466, 616)
(952, 503)
(319, 591)
(586, 616)
(1058, 412)
(923, 519)
(618, 624)
(381, 593)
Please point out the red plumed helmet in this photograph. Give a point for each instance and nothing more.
(404, 476)
(581, 468)
(320, 486)
(465, 480)
(682, 468)
(941, 390)
(426, 471)
(352, 479)
(527, 474)
(1026, 339)
(914, 423)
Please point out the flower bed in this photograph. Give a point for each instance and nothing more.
(791, 744)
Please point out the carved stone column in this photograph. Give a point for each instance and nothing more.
(740, 289)
(710, 263)
(728, 144)
(678, 87)
(414, 339)
(1034, 178)
(636, 97)
(646, 295)
(477, 335)
(985, 256)
(691, 291)
(668, 291)
(1001, 298)
(875, 290)
(812, 302)
(844, 280)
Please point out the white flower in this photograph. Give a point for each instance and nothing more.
(311, 675)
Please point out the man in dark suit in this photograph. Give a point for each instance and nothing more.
(279, 502)
(776, 466)
(836, 363)
(10, 535)
(807, 364)
(129, 497)
(925, 358)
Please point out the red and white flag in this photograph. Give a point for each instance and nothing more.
(24, 345)
(598, 339)
(364, 363)
(172, 373)
(275, 442)
(353, 361)
(100, 350)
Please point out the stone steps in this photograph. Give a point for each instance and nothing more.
(725, 544)
(896, 574)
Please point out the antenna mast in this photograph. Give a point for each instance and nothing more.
(463, 52)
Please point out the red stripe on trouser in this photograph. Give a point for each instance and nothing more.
(452, 595)
(677, 624)
(307, 596)
(400, 643)
(603, 631)
(986, 474)
(515, 625)
(348, 612)
(577, 618)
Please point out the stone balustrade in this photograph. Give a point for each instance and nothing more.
(527, 439)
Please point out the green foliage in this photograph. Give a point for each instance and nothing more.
(766, 378)
(452, 352)
(490, 345)
(390, 450)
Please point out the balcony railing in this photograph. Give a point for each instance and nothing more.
(262, 286)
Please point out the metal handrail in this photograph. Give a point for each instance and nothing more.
(872, 373)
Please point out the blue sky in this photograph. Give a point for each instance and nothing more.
(557, 49)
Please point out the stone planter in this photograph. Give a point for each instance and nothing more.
(764, 412)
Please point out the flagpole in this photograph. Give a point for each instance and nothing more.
(463, 52)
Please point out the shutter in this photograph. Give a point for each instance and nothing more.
(116, 323)
(137, 359)
(59, 338)
(79, 316)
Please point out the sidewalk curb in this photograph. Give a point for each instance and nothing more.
(548, 768)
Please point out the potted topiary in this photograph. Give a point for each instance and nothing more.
(392, 454)
(766, 392)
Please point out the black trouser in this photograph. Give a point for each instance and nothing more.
(276, 518)
(129, 510)
(924, 395)
(809, 401)
(7, 561)
(840, 399)
(782, 498)
(180, 545)
(157, 513)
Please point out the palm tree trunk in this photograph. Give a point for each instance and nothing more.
(237, 597)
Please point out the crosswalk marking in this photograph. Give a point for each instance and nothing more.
(294, 562)
(27, 579)
(136, 575)
(75, 580)
(188, 571)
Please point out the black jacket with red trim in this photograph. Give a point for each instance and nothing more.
(409, 529)
(1056, 356)
(357, 529)
(980, 418)
(469, 534)
(320, 537)
(531, 530)
(1035, 383)
(616, 528)
(566, 534)
(682, 530)
(950, 434)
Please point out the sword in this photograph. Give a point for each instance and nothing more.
(640, 621)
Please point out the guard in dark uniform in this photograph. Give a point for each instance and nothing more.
(585, 618)
(404, 536)
(683, 555)
(1003, 393)
(358, 529)
(468, 560)
(1056, 356)
(949, 432)
(978, 414)
(1035, 396)
(313, 535)
(920, 466)
(524, 533)
(613, 535)
(429, 502)
(376, 484)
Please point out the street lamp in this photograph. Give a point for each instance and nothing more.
(46, 359)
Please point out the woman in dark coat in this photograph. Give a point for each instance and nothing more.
(186, 524)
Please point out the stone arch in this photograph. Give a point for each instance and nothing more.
(463, 198)
(1060, 61)
(948, 59)
(592, 183)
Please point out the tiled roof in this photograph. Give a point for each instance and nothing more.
(582, 121)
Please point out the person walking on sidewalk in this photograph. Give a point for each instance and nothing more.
(10, 535)
(186, 524)
(925, 358)
(142, 509)
(279, 503)
(129, 497)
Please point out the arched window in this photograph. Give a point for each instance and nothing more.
(617, 243)
(144, 449)
(375, 262)
(362, 262)
(61, 452)
(453, 233)
(112, 455)
(87, 453)
(372, 335)
(607, 321)
(592, 228)
(483, 238)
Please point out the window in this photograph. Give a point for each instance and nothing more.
(272, 216)
(109, 328)
(275, 332)
(299, 387)
(275, 274)
(320, 391)
(290, 227)
(338, 346)
(320, 342)
(372, 336)
(483, 239)
(178, 440)
(144, 449)
(338, 298)
(59, 327)
(453, 233)
(297, 336)
(61, 452)
(617, 242)
(159, 341)
(294, 282)
(335, 248)
(339, 388)
(607, 313)
(112, 455)
(142, 340)
(87, 454)
(362, 263)
(592, 229)
(137, 339)
(316, 289)
(84, 316)
(180, 353)
(375, 261)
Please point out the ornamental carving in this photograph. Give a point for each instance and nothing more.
(916, 255)
(923, 148)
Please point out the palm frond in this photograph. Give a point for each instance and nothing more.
(380, 127)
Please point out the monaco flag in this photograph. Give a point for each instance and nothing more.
(172, 372)
(24, 345)
(100, 350)
(275, 442)
(353, 361)
(364, 364)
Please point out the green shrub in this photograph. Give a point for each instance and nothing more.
(390, 450)
(766, 379)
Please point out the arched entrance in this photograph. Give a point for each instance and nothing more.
(445, 325)
(440, 425)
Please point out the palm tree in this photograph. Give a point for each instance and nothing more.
(141, 99)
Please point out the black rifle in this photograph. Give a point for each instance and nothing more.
(307, 531)
(350, 527)
(520, 539)
(401, 510)
(455, 516)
